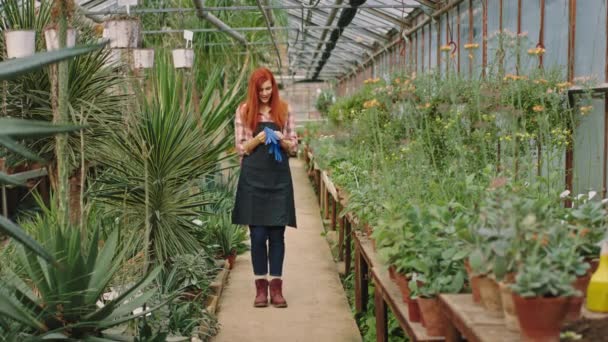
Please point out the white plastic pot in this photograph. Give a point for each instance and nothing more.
(143, 58)
(51, 36)
(20, 43)
(123, 33)
(115, 57)
(183, 58)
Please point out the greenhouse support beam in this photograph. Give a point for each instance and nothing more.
(275, 28)
(424, 22)
(247, 8)
(201, 13)
(274, 42)
(330, 20)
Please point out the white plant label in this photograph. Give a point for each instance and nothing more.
(127, 2)
(188, 36)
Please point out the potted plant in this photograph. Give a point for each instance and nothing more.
(19, 42)
(51, 32)
(51, 36)
(227, 238)
(143, 58)
(123, 31)
(541, 294)
(183, 58)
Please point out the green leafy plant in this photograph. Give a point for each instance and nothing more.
(168, 147)
(61, 301)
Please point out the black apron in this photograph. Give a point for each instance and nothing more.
(264, 196)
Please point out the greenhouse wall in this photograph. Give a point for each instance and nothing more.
(574, 34)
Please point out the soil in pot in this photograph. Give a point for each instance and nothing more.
(540, 318)
(434, 320)
(591, 330)
(508, 308)
(490, 294)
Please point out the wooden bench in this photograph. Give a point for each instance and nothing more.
(387, 294)
(473, 321)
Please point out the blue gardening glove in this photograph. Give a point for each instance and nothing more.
(273, 141)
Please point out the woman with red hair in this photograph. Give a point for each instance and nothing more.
(264, 198)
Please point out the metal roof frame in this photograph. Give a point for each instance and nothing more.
(316, 46)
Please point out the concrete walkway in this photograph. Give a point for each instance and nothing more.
(318, 309)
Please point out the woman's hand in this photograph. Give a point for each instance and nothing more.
(261, 137)
(279, 135)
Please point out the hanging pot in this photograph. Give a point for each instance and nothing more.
(143, 58)
(20, 43)
(51, 36)
(123, 33)
(115, 57)
(183, 58)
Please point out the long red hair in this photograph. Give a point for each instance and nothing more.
(278, 108)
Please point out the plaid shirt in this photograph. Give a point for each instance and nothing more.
(243, 133)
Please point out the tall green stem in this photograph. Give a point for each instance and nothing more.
(61, 116)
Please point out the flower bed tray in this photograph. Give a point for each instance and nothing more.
(473, 321)
(387, 294)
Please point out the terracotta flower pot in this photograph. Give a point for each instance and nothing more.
(231, 259)
(434, 320)
(575, 303)
(473, 282)
(508, 307)
(391, 272)
(540, 318)
(490, 294)
(402, 282)
(413, 310)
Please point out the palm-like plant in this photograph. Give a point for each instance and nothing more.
(152, 164)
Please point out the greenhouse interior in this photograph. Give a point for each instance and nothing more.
(304, 170)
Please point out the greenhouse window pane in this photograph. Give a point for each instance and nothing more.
(509, 13)
(477, 36)
(556, 38)
(590, 57)
(464, 38)
(530, 26)
(433, 49)
(493, 30)
(588, 149)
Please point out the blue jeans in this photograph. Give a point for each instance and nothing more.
(263, 255)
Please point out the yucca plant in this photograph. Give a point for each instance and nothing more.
(152, 164)
(61, 301)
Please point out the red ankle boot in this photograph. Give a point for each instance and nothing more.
(261, 297)
(276, 293)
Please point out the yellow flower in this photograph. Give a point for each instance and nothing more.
(425, 106)
(538, 108)
(586, 109)
(541, 81)
(539, 51)
(471, 46)
(446, 48)
(564, 85)
(470, 56)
